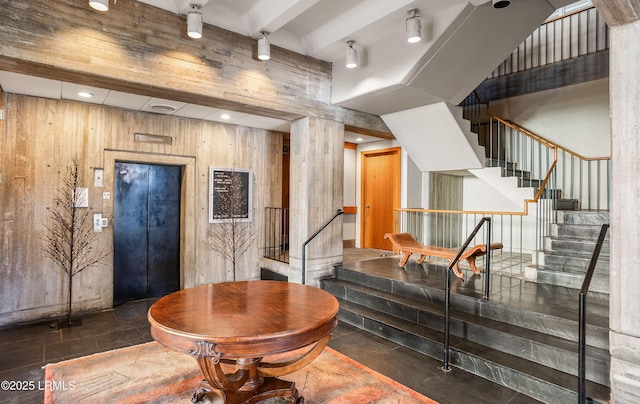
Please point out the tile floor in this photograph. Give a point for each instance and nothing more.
(25, 349)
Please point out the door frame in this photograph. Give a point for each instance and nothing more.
(187, 205)
(396, 152)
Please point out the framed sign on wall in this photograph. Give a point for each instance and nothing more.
(230, 195)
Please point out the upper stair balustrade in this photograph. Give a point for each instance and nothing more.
(568, 36)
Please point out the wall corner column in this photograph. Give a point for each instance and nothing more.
(316, 193)
(624, 91)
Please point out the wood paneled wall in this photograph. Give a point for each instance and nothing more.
(42, 136)
(141, 49)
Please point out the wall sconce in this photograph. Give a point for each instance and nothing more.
(264, 47)
(351, 56)
(100, 5)
(194, 22)
(413, 27)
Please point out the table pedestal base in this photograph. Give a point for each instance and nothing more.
(271, 388)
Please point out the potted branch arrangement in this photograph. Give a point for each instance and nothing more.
(231, 234)
(69, 238)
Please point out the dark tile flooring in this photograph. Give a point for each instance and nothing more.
(25, 349)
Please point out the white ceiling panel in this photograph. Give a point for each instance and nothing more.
(126, 100)
(28, 85)
(71, 91)
(194, 111)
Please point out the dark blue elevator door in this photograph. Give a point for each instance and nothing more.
(146, 231)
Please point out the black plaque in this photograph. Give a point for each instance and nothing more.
(229, 195)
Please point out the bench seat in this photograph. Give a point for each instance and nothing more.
(407, 245)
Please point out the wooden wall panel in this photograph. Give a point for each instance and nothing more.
(141, 49)
(41, 136)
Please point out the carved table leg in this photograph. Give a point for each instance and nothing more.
(253, 381)
(201, 391)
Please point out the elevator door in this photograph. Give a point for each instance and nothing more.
(146, 231)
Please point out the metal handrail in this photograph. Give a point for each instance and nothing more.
(447, 301)
(304, 245)
(582, 309)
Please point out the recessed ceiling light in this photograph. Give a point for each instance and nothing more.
(225, 116)
(163, 108)
(85, 94)
(359, 139)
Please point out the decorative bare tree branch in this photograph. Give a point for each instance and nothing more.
(70, 241)
(231, 237)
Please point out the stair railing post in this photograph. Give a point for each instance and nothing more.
(582, 315)
(447, 296)
(487, 271)
(447, 319)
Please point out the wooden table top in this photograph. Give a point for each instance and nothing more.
(247, 317)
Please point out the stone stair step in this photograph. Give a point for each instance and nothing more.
(578, 231)
(574, 262)
(536, 346)
(566, 204)
(541, 382)
(506, 165)
(569, 246)
(584, 217)
(574, 280)
(597, 327)
(569, 249)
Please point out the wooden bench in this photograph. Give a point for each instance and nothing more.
(407, 245)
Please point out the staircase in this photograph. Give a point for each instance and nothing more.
(531, 352)
(569, 248)
(525, 180)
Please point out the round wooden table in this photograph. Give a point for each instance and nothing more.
(243, 334)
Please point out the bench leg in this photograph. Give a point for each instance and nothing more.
(472, 265)
(405, 258)
(456, 270)
(421, 259)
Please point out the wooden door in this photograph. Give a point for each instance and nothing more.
(380, 196)
(146, 231)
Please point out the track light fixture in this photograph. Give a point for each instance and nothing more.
(352, 56)
(500, 3)
(100, 5)
(264, 47)
(194, 21)
(413, 27)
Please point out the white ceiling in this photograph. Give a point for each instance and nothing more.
(393, 75)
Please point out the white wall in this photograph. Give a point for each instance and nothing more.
(479, 196)
(412, 183)
(575, 117)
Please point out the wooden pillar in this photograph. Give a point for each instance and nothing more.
(317, 176)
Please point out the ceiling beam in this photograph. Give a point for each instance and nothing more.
(270, 16)
(144, 50)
